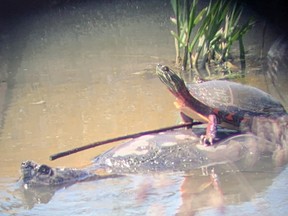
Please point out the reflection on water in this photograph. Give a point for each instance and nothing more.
(81, 74)
(162, 194)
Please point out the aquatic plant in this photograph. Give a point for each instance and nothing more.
(208, 34)
(185, 20)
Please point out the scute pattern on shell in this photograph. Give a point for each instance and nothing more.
(234, 97)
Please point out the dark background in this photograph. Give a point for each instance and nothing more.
(13, 11)
(273, 10)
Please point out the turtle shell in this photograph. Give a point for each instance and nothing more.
(179, 150)
(231, 97)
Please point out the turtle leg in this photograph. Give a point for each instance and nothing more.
(210, 130)
(185, 118)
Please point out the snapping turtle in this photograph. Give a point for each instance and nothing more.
(171, 151)
(36, 174)
(229, 104)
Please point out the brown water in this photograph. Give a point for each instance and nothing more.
(82, 74)
(77, 84)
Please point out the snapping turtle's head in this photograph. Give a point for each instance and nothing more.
(34, 174)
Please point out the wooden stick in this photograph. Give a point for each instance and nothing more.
(92, 145)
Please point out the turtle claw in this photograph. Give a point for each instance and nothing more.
(206, 140)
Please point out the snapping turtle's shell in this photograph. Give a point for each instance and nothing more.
(172, 151)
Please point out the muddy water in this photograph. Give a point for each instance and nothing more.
(82, 82)
(82, 74)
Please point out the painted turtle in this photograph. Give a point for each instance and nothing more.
(229, 104)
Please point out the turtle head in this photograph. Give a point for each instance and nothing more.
(36, 174)
(174, 83)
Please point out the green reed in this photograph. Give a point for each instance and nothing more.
(208, 34)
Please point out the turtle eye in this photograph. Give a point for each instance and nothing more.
(27, 164)
(165, 68)
(46, 170)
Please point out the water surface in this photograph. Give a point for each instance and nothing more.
(85, 73)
